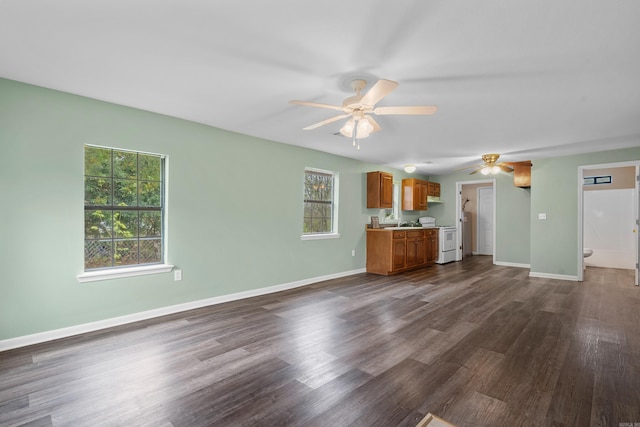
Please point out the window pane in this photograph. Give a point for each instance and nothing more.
(125, 224)
(125, 164)
(97, 224)
(150, 193)
(97, 161)
(149, 168)
(125, 193)
(150, 251)
(97, 253)
(97, 191)
(126, 252)
(150, 224)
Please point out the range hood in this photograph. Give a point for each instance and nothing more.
(434, 199)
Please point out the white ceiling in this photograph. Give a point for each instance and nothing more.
(527, 79)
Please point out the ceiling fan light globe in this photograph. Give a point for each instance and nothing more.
(364, 128)
(495, 170)
(485, 170)
(347, 129)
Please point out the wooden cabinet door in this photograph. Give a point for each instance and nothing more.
(399, 254)
(415, 251)
(386, 190)
(423, 190)
(379, 190)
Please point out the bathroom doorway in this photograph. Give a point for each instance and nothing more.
(608, 217)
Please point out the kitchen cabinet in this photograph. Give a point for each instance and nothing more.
(394, 251)
(414, 194)
(379, 190)
(433, 189)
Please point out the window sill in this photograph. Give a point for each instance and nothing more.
(320, 236)
(117, 273)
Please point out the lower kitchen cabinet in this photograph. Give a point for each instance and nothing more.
(393, 251)
(431, 237)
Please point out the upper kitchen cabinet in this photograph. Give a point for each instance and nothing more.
(414, 194)
(433, 189)
(379, 190)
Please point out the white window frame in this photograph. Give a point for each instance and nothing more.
(137, 269)
(333, 234)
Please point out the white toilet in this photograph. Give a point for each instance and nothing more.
(586, 252)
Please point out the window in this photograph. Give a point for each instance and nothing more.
(123, 208)
(595, 180)
(320, 207)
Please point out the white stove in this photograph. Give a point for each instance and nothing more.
(446, 244)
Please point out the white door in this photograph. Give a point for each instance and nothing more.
(485, 221)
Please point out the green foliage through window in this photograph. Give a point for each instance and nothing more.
(123, 205)
(318, 202)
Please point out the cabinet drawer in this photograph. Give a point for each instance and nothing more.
(399, 234)
(415, 233)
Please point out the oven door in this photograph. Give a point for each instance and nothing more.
(448, 241)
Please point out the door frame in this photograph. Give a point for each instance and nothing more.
(581, 175)
(458, 214)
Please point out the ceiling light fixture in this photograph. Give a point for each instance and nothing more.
(493, 170)
(357, 128)
(360, 125)
(409, 168)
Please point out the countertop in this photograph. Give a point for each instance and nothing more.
(400, 228)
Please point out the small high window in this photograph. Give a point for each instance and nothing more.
(320, 203)
(123, 208)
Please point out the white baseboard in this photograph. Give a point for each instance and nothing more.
(513, 264)
(553, 276)
(55, 334)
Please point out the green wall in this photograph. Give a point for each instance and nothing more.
(234, 211)
(554, 185)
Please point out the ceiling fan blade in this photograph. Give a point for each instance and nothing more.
(316, 104)
(379, 90)
(505, 168)
(326, 122)
(376, 126)
(418, 109)
(469, 167)
(475, 171)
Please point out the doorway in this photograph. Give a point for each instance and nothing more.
(475, 214)
(608, 217)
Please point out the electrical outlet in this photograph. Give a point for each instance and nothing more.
(542, 216)
(177, 275)
(353, 252)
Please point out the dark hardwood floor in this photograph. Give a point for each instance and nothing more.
(477, 344)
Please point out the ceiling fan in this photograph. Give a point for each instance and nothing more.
(490, 166)
(358, 109)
